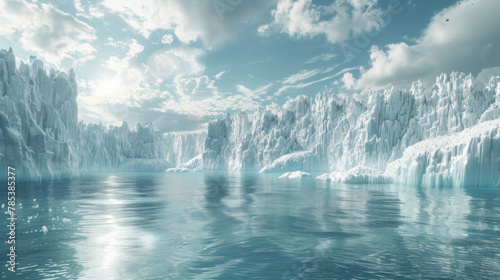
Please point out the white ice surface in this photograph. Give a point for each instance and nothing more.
(294, 175)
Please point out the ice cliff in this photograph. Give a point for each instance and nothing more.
(185, 148)
(354, 139)
(41, 137)
(446, 135)
(38, 119)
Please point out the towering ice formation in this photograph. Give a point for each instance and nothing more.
(470, 158)
(40, 135)
(449, 135)
(335, 133)
(38, 119)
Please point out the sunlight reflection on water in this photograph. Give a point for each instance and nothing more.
(252, 226)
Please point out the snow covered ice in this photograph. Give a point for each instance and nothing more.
(294, 175)
(357, 175)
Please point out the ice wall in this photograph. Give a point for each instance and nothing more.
(338, 133)
(38, 119)
(470, 158)
(40, 135)
(408, 137)
(117, 148)
(184, 148)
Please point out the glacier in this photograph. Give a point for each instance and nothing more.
(41, 137)
(445, 135)
(380, 137)
(470, 158)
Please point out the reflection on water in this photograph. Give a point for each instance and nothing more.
(252, 226)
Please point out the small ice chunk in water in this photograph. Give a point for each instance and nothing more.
(294, 175)
(45, 229)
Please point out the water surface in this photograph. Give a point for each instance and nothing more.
(252, 226)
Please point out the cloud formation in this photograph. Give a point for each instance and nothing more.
(54, 35)
(337, 22)
(211, 21)
(464, 37)
(300, 76)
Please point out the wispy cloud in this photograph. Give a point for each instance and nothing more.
(300, 76)
(322, 57)
(303, 85)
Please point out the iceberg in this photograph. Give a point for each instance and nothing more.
(294, 175)
(357, 175)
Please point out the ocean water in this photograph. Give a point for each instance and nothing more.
(251, 226)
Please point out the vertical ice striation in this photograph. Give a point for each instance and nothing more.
(40, 135)
(185, 148)
(39, 119)
(343, 133)
(448, 135)
(470, 158)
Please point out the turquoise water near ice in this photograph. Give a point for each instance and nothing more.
(251, 226)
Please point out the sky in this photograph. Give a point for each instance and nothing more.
(179, 63)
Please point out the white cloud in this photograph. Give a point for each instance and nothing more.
(323, 57)
(170, 62)
(248, 99)
(468, 42)
(211, 21)
(256, 94)
(167, 39)
(300, 76)
(219, 76)
(87, 9)
(173, 81)
(195, 88)
(56, 36)
(303, 85)
(127, 85)
(348, 80)
(338, 21)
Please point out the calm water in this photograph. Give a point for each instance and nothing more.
(250, 226)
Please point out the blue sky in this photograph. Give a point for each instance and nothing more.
(178, 63)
